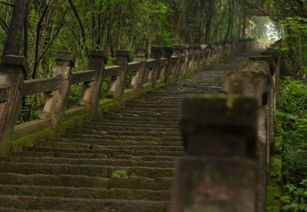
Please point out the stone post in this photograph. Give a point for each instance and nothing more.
(272, 93)
(170, 68)
(178, 51)
(218, 173)
(12, 75)
(92, 90)
(139, 77)
(198, 56)
(156, 53)
(191, 57)
(253, 80)
(56, 100)
(119, 84)
(185, 65)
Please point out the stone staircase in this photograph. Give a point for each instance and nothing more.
(123, 161)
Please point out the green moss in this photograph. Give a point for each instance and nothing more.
(105, 105)
(119, 173)
(29, 140)
(274, 191)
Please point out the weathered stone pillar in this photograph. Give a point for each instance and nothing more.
(185, 65)
(118, 85)
(92, 90)
(271, 94)
(156, 53)
(178, 64)
(218, 173)
(12, 75)
(198, 56)
(139, 77)
(253, 80)
(169, 67)
(56, 100)
(182, 59)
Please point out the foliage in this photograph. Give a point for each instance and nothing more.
(295, 201)
(292, 16)
(292, 132)
(120, 174)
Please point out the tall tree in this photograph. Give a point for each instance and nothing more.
(14, 35)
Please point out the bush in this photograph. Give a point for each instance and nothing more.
(291, 128)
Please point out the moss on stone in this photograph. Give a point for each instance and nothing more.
(274, 190)
(105, 105)
(29, 140)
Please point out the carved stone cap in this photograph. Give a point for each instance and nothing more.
(188, 46)
(124, 53)
(168, 51)
(65, 59)
(142, 53)
(221, 115)
(156, 51)
(178, 48)
(99, 54)
(267, 58)
(197, 47)
(17, 61)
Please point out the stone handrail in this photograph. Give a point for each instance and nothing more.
(164, 64)
(228, 140)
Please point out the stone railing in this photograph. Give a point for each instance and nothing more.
(228, 140)
(164, 64)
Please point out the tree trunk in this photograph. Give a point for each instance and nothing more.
(14, 36)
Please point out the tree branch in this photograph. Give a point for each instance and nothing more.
(4, 25)
(80, 24)
(7, 3)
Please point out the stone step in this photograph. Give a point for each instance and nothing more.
(127, 128)
(78, 155)
(80, 181)
(166, 137)
(71, 145)
(167, 120)
(84, 192)
(103, 131)
(102, 162)
(79, 204)
(24, 210)
(108, 153)
(150, 125)
(90, 170)
(145, 111)
(105, 142)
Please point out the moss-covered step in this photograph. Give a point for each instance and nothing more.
(90, 170)
(129, 132)
(78, 204)
(108, 142)
(71, 145)
(84, 192)
(131, 182)
(87, 161)
(109, 154)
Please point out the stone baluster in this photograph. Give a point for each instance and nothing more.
(56, 100)
(12, 74)
(92, 90)
(156, 53)
(169, 66)
(119, 84)
(139, 77)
